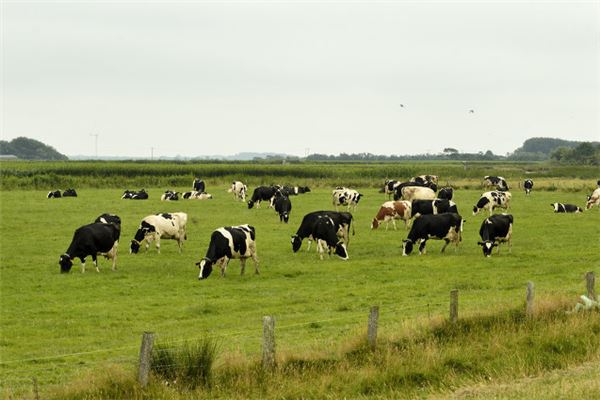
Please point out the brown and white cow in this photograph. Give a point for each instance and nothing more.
(593, 200)
(391, 211)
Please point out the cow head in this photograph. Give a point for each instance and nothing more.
(286, 216)
(250, 204)
(407, 247)
(340, 250)
(487, 247)
(374, 224)
(205, 267)
(65, 263)
(296, 243)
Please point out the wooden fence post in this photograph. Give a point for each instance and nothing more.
(530, 296)
(590, 281)
(268, 356)
(372, 328)
(145, 357)
(454, 305)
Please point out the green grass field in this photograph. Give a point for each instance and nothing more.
(56, 327)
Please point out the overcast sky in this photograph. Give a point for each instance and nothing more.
(191, 77)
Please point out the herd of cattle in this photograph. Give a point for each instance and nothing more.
(427, 214)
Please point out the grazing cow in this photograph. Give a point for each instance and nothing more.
(239, 190)
(132, 194)
(565, 208)
(262, 193)
(110, 219)
(497, 228)
(92, 240)
(447, 227)
(198, 185)
(342, 196)
(324, 231)
(391, 211)
(495, 181)
(593, 200)
(390, 186)
(436, 206)
(342, 221)
(491, 200)
(70, 193)
(528, 185)
(446, 193)
(425, 179)
(410, 193)
(196, 196)
(54, 194)
(226, 243)
(160, 226)
(169, 195)
(283, 207)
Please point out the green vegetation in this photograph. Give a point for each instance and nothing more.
(30, 149)
(79, 334)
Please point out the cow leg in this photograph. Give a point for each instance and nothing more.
(223, 265)
(255, 259)
(95, 261)
(242, 265)
(422, 245)
(394, 224)
(309, 243)
(82, 265)
(445, 245)
(320, 248)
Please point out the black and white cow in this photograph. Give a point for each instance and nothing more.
(495, 181)
(495, 230)
(303, 189)
(262, 193)
(342, 221)
(565, 208)
(70, 193)
(198, 185)
(196, 196)
(491, 200)
(92, 240)
(160, 226)
(110, 219)
(239, 190)
(342, 196)
(226, 243)
(446, 193)
(169, 195)
(447, 227)
(54, 194)
(528, 185)
(324, 231)
(132, 194)
(425, 179)
(436, 206)
(389, 187)
(593, 199)
(283, 207)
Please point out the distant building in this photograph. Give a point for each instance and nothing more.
(8, 157)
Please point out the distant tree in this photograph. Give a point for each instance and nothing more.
(30, 149)
(450, 150)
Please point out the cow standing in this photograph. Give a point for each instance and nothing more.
(226, 243)
(447, 227)
(92, 240)
(492, 200)
(495, 230)
(565, 208)
(342, 221)
(446, 193)
(262, 193)
(400, 188)
(391, 211)
(324, 231)
(110, 219)
(410, 193)
(593, 199)
(389, 187)
(342, 196)
(495, 181)
(198, 185)
(283, 207)
(239, 190)
(528, 185)
(160, 226)
(436, 206)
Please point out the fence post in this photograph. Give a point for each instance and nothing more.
(372, 328)
(454, 305)
(590, 281)
(268, 356)
(36, 390)
(145, 357)
(530, 296)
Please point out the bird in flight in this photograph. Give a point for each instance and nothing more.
(471, 111)
(402, 105)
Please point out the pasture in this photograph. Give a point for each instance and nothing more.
(58, 326)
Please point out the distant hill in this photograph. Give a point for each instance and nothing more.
(547, 145)
(30, 149)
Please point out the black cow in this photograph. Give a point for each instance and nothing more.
(283, 207)
(565, 208)
(324, 231)
(110, 219)
(497, 181)
(226, 243)
(497, 228)
(262, 193)
(447, 227)
(54, 194)
(91, 240)
(437, 206)
(398, 187)
(342, 221)
(70, 193)
(528, 185)
(446, 193)
(306, 189)
(199, 185)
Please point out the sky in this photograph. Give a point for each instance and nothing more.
(190, 78)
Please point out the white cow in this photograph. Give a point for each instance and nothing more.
(239, 190)
(593, 200)
(410, 193)
(160, 226)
